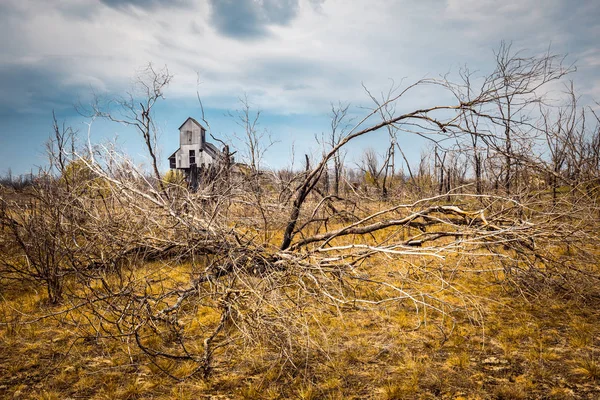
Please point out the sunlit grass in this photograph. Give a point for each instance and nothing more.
(456, 330)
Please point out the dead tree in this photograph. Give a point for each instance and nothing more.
(136, 110)
(339, 126)
(257, 262)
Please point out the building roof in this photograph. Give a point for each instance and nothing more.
(212, 150)
(173, 155)
(194, 121)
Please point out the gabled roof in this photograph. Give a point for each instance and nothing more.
(173, 155)
(212, 150)
(194, 121)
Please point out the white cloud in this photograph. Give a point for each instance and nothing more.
(323, 50)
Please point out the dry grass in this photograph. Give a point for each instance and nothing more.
(522, 349)
(480, 336)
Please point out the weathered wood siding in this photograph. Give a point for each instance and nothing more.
(190, 138)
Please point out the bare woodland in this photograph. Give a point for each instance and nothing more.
(509, 186)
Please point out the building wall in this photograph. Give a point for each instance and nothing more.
(188, 143)
(184, 137)
(183, 156)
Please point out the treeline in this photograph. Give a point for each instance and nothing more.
(16, 181)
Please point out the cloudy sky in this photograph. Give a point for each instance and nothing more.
(292, 58)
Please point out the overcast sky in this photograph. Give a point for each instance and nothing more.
(291, 57)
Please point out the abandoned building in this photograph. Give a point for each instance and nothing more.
(195, 155)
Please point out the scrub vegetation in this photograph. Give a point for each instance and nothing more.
(472, 275)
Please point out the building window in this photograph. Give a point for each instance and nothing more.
(172, 163)
(192, 157)
(188, 135)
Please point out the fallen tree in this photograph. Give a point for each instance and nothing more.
(143, 261)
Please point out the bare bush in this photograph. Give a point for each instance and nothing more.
(191, 276)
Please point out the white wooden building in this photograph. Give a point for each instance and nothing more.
(194, 151)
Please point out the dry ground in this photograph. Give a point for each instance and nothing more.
(507, 347)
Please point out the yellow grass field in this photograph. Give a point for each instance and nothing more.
(506, 346)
